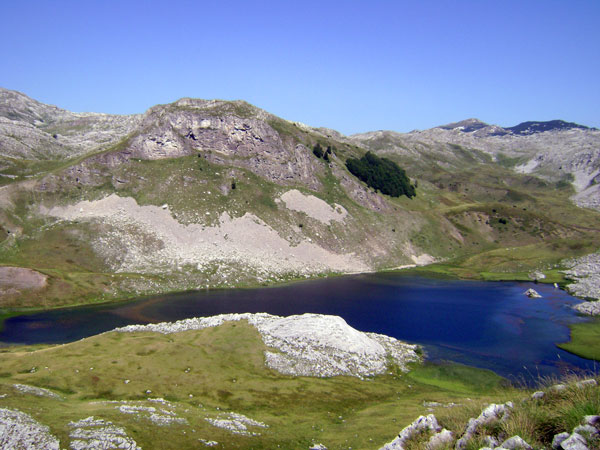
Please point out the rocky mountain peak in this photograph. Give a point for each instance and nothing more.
(468, 125)
(527, 128)
(17, 106)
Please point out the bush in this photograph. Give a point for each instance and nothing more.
(318, 150)
(381, 174)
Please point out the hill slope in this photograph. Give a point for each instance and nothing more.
(199, 193)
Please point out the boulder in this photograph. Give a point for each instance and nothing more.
(492, 413)
(532, 293)
(422, 423)
(574, 442)
(588, 382)
(586, 430)
(592, 420)
(441, 439)
(558, 440)
(538, 395)
(516, 442)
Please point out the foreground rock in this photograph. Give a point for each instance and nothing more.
(420, 425)
(493, 413)
(308, 344)
(20, 431)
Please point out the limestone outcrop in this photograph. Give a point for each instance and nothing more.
(308, 344)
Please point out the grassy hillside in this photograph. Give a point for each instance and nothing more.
(206, 373)
(211, 373)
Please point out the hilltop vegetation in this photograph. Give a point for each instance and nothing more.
(381, 174)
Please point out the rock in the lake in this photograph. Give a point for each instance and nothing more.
(532, 293)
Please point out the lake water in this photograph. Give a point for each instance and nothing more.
(484, 324)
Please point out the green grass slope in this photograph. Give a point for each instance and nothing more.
(210, 372)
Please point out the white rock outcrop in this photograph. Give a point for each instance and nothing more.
(94, 434)
(236, 423)
(492, 413)
(420, 425)
(308, 344)
(21, 431)
(34, 390)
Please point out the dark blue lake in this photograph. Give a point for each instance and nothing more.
(484, 324)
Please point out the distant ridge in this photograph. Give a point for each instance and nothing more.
(522, 129)
(550, 125)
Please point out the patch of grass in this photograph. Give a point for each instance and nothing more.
(585, 339)
(457, 378)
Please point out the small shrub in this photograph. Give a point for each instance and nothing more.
(318, 150)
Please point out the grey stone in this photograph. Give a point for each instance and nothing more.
(516, 442)
(591, 420)
(588, 382)
(574, 442)
(538, 395)
(492, 413)
(491, 441)
(558, 439)
(422, 423)
(440, 439)
(585, 430)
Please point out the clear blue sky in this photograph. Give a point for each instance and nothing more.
(348, 65)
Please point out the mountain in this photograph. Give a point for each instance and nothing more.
(34, 136)
(525, 128)
(211, 193)
(554, 151)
